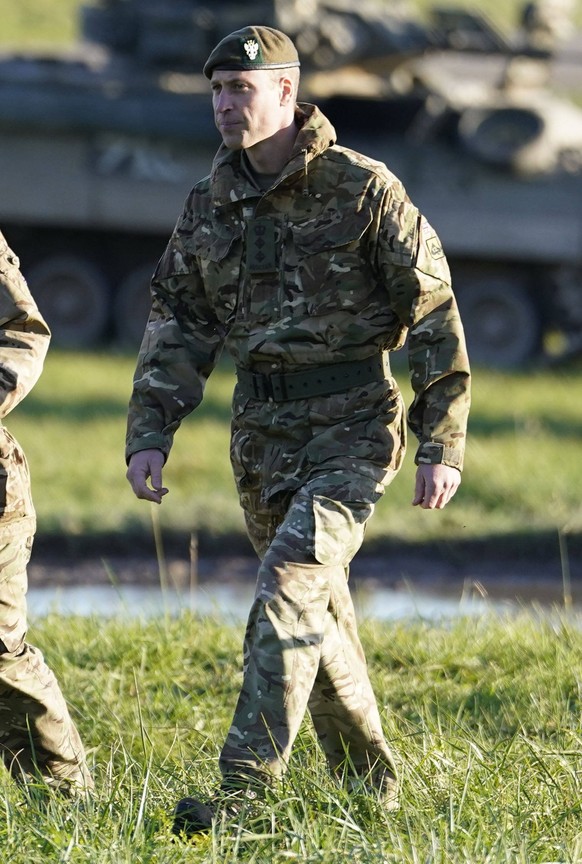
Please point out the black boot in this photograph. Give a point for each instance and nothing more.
(192, 816)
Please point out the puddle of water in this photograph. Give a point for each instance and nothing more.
(232, 602)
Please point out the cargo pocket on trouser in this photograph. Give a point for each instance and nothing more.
(250, 460)
(14, 557)
(249, 491)
(339, 529)
(15, 496)
(17, 527)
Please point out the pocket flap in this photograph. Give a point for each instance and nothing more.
(331, 229)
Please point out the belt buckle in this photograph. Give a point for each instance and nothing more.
(261, 388)
(269, 387)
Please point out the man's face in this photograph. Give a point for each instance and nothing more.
(247, 106)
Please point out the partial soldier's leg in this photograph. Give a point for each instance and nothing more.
(342, 703)
(281, 658)
(343, 706)
(293, 644)
(37, 734)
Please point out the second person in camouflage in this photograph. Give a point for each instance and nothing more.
(38, 739)
(309, 263)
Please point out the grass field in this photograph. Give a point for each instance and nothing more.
(483, 715)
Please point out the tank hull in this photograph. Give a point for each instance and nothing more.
(99, 151)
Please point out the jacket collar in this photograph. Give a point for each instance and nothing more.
(315, 135)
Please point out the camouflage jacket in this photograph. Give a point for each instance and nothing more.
(24, 335)
(24, 341)
(332, 263)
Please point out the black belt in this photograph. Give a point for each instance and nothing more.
(318, 381)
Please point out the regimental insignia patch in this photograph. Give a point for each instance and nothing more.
(433, 244)
(434, 247)
(251, 47)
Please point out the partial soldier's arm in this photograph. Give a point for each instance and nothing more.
(440, 376)
(435, 485)
(418, 281)
(24, 334)
(181, 345)
(144, 473)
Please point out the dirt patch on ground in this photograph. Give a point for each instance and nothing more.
(525, 577)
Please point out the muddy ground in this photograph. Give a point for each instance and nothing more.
(445, 571)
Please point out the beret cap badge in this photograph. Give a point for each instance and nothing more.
(251, 47)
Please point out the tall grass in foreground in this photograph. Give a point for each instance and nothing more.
(483, 714)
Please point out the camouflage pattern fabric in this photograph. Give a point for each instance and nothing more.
(356, 269)
(359, 435)
(302, 648)
(331, 263)
(37, 734)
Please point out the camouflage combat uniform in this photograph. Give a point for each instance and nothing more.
(37, 735)
(330, 265)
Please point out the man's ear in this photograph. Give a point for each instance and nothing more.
(285, 90)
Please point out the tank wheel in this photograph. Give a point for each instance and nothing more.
(131, 306)
(73, 295)
(502, 324)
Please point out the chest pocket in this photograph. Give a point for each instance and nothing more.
(212, 241)
(332, 265)
(218, 249)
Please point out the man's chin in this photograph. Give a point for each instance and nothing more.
(233, 142)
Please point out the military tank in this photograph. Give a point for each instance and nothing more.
(100, 146)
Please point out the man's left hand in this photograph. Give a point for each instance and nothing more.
(435, 486)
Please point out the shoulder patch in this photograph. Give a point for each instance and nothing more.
(431, 241)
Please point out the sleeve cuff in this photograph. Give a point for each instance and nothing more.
(433, 453)
(151, 442)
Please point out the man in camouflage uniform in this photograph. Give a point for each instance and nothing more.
(310, 263)
(38, 739)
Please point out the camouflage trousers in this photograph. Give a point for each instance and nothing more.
(37, 735)
(302, 650)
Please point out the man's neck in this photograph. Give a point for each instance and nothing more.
(259, 179)
(272, 154)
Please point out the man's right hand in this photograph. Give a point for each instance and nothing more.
(143, 466)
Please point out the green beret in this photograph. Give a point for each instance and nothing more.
(253, 47)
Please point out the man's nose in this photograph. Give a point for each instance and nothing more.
(222, 103)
